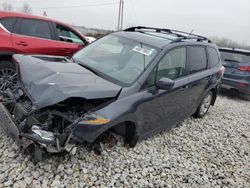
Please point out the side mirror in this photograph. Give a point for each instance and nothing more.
(165, 84)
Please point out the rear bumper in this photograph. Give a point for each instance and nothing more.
(228, 83)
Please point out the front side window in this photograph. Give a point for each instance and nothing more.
(173, 64)
(66, 35)
(34, 28)
(197, 59)
(8, 23)
(118, 58)
(213, 57)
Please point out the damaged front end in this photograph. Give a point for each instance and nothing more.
(54, 128)
(54, 109)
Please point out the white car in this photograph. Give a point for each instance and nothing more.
(90, 39)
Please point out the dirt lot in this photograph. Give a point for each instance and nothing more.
(209, 152)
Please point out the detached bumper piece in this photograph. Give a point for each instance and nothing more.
(8, 124)
(35, 140)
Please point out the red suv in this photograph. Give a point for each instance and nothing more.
(28, 34)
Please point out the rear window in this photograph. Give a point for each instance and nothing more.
(214, 59)
(8, 23)
(236, 57)
(197, 59)
(34, 28)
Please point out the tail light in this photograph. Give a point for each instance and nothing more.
(244, 68)
(243, 85)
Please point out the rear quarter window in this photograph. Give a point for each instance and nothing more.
(197, 59)
(8, 23)
(214, 59)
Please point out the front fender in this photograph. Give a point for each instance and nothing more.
(89, 133)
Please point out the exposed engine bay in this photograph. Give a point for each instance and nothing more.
(50, 128)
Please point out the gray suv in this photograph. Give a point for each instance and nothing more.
(237, 71)
(135, 83)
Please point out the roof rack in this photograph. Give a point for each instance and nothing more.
(181, 36)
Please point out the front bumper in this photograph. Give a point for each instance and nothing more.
(80, 132)
(228, 83)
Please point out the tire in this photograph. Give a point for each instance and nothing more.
(204, 105)
(245, 96)
(8, 76)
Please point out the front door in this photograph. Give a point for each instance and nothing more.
(160, 109)
(68, 41)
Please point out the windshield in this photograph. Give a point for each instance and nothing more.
(116, 57)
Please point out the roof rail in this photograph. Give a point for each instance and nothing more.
(180, 34)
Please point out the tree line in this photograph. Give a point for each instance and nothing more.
(26, 8)
(226, 42)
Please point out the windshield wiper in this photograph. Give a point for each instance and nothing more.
(87, 67)
(90, 69)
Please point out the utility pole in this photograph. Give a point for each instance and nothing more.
(120, 15)
(44, 13)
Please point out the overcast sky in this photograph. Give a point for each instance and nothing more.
(222, 18)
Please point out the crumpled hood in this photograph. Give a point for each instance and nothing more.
(50, 82)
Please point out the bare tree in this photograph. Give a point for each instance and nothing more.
(26, 8)
(7, 6)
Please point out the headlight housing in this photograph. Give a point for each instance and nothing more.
(93, 119)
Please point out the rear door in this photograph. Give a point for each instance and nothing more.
(199, 75)
(33, 36)
(6, 27)
(69, 41)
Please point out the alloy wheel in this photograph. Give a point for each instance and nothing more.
(8, 79)
(205, 104)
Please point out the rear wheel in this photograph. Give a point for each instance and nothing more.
(204, 105)
(8, 76)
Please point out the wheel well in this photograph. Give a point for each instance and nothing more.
(128, 131)
(6, 57)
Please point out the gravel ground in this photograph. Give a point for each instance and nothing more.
(209, 152)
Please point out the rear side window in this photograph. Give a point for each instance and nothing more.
(8, 23)
(214, 59)
(197, 59)
(34, 28)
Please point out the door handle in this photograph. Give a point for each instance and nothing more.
(22, 43)
(66, 50)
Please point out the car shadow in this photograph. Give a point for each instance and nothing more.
(230, 93)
